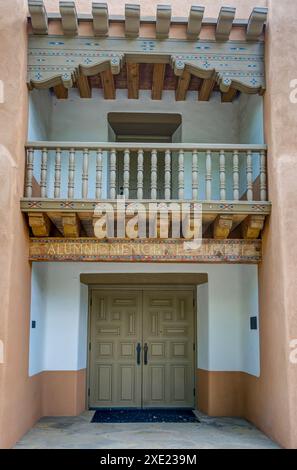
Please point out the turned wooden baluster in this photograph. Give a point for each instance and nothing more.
(195, 175)
(85, 174)
(249, 176)
(126, 172)
(99, 174)
(235, 176)
(154, 174)
(112, 174)
(222, 176)
(181, 174)
(208, 176)
(71, 173)
(29, 172)
(263, 187)
(57, 183)
(140, 174)
(167, 181)
(43, 174)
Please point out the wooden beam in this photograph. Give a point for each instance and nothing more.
(206, 89)
(94, 249)
(61, 92)
(133, 80)
(182, 86)
(256, 23)
(39, 20)
(195, 22)
(225, 22)
(100, 19)
(69, 17)
(108, 84)
(163, 19)
(158, 81)
(132, 20)
(252, 226)
(40, 224)
(222, 226)
(84, 87)
(229, 96)
(71, 225)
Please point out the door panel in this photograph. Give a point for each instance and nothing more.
(168, 330)
(115, 378)
(162, 323)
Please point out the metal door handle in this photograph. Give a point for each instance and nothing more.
(145, 350)
(138, 351)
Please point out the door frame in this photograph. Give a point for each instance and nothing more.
(93, 287)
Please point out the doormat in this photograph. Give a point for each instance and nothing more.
(148, 415)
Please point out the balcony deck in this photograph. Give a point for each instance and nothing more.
(65, 182)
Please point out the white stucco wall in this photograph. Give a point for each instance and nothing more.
(225, 342)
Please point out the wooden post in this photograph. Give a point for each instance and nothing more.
(29, 172)
(140, 174)
(263, 187)
(222, 176)
(195, 180)
(208, 175)
(85, 174)
(235, 176)
(154, 174)
(249, 176)
(57, 184)
(167, 182)
(71, 173)
(112, 173)
(181, 174)
(99, 174)
(126, 172)
(43, 173)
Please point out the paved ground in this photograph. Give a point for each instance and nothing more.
(79, 433)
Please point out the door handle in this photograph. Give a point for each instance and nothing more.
(138, 351)
(145, 350)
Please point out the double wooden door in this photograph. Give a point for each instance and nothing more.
(141, 348)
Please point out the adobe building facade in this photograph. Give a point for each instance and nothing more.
(114, 104)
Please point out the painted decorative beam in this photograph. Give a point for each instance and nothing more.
(222, 226)
(252, 226)
(142, 251)
(69, 17)
(108, 84)
(195, 22)
(256, 23)
(100, 19)
(183, 85)
(39, 223)
(39, 18)
(158, 81)
(133, 80)
(224, 25)
(53, 60)
(163, 20)
(132, 20)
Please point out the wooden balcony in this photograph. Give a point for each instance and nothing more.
(65, 181)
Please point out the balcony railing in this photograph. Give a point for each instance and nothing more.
(145, 171)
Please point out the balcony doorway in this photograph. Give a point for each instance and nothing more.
(145, 128)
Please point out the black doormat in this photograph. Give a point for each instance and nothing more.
(148, 415)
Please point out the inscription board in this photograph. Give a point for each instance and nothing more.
(92, 249)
